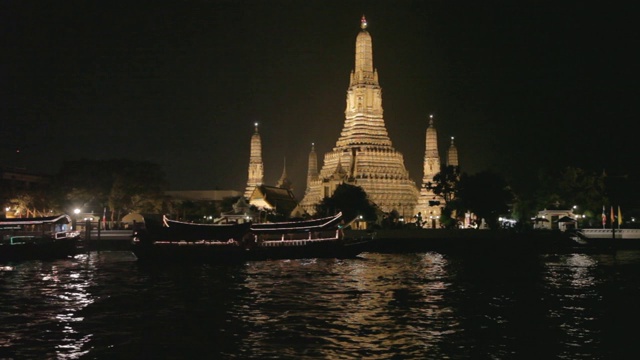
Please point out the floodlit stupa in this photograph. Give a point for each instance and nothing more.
(429, 204)
(256, 167)
(452, 154)
(364, 155)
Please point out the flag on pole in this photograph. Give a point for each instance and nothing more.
(604, 218)
(104, 218)
(613, 219)
(619, 217)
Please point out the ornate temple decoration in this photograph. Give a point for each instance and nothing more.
(452, 154)
(364, 155)
(256, 167)
(429, 204)
(284, 182)
(312, 168)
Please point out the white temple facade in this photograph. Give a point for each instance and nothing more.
(364, 154)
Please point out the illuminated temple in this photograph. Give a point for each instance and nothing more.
(364, 155)
(256, 167)
(429, 204)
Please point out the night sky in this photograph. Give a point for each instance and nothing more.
(522, 85)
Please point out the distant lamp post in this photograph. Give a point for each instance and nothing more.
(74, 221)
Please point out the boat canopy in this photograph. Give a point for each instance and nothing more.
(59, 219)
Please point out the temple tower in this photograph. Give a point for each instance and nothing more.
(429, 204)
(256, 167)
(284, 182)
(312, 169)
(452, 154)
(364, 155)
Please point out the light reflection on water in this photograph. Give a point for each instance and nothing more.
(328, 308)
(423, 305)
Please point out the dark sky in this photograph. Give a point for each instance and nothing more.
(522, 85)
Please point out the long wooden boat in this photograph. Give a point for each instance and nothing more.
(38, 238)
(315, 238)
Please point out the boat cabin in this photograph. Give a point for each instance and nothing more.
(25, 230)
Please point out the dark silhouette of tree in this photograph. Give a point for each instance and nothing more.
(485, 194)
(571, 186)
(445, 182)
(121, 185)
(351, 200)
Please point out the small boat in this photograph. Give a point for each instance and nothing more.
(37, 238)
(314, 238)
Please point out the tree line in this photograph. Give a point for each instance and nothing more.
(119, 186)
(489, 195)
(122, 186)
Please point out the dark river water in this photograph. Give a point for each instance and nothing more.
(378, 306)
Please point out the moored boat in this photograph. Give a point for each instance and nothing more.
(314, 238)
(37, 238)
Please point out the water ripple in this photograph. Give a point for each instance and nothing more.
(379, 306)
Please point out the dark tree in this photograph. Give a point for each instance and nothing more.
(486, 194)
(120, 185)
(445, 182)
(573, 186)
(351, 200)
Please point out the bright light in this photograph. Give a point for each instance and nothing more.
(76, 211)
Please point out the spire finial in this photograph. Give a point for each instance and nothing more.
(431, 120)
(452, 141)
(363, 22)
(256, 125)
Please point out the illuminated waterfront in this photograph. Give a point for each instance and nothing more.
(378, 306)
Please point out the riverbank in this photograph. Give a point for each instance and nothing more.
(406, 240)
(419, 240)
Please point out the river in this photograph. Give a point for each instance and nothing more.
(425, 305)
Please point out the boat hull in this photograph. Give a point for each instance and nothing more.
(233, 252)
(47, 249)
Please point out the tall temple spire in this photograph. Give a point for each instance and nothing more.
(312, 169)
(431, 157)
(364, 155)
(452, 154)
(429, 204)
(256, 167)
(284, 181)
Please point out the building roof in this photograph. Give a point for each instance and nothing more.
(273, 198)
(203, 195)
